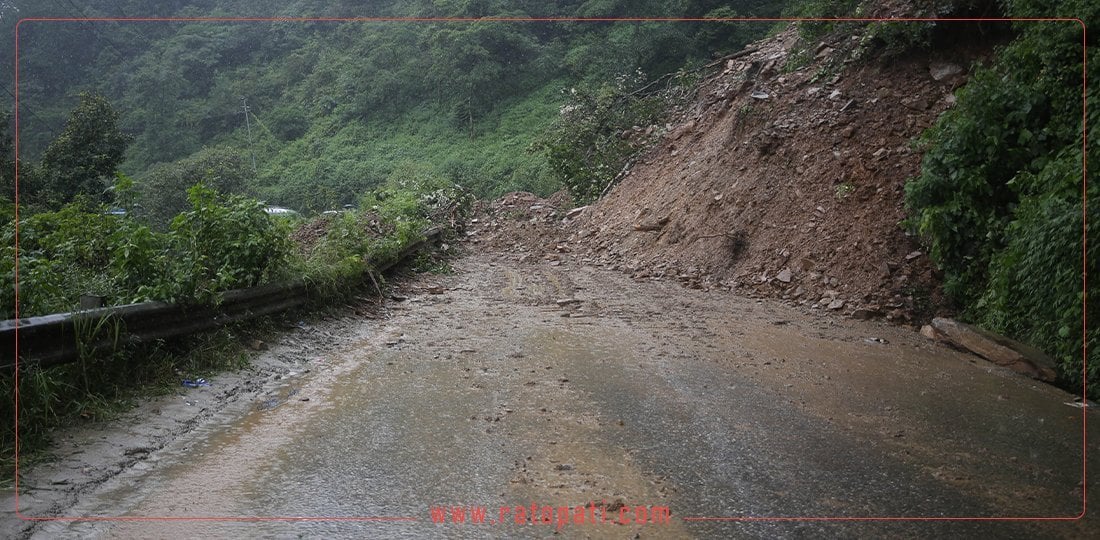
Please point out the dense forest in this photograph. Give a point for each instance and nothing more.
(335, 107)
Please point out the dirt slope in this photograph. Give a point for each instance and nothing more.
(786, 183)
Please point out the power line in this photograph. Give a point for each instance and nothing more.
(30, 110)
(244, 107)
(87, 24)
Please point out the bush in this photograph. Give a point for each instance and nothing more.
(62, 255)
(999, 197)
(222, 243)
(163, 189)
(586, 146)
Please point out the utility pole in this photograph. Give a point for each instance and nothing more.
(248, 125)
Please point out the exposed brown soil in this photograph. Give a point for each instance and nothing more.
(787, 184)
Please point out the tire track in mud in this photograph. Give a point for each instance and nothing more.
(508, 383)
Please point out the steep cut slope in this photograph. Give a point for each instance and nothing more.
(786, 184)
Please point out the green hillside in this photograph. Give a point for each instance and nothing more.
(336, 107)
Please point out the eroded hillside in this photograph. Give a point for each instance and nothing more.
(786, 182)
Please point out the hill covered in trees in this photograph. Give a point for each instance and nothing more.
(335, 107)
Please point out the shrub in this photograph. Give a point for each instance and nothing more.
(999, 198)
(222, 243)
(586, 147)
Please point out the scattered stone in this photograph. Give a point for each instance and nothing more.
(941, 71)
(836, 304)
(916, 103)
(863, 314)
(652, 225)
(930, 333)
(575, 212)
(436, 289)
(257, 345)
(683, 130)
(567, 301)
(784, 275)
(998, 349)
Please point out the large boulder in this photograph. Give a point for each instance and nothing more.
(998, 349)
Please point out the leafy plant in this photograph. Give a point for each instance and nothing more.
(222, 243)
(843, 189)
(999, 198)
(596, 133)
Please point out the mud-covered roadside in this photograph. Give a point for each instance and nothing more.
(555, 381)
(83, 457)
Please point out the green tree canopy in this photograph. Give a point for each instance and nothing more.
(7, 162)
(163, 190)
(85, 155)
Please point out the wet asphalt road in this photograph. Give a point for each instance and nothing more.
(649, 394)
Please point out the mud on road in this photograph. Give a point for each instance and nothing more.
(509, 383)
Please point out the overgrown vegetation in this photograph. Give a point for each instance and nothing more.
(1000, 196)
(336, 106)
(222, 242)
(601, 126)
(99, 387)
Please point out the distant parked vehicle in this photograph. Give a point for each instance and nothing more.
(279, 211)
(346, 208)
(115, 212)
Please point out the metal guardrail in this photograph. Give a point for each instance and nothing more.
(50, 340)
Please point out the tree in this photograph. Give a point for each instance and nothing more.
(163, 190)
(7, 162)
(84, 158)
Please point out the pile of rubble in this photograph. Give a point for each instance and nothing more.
(785, 178)
(522, 225)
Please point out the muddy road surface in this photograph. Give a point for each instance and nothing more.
(509, 385)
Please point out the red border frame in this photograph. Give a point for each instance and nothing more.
(571, 19)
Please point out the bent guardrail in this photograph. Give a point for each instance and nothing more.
(60, 338)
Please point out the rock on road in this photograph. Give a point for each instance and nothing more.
(507, 384)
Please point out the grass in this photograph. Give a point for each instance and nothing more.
(337, 159)
(100, 388)
(100, 385)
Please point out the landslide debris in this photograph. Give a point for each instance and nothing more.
(785, 178)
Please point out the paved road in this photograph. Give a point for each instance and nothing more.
(640, 394)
